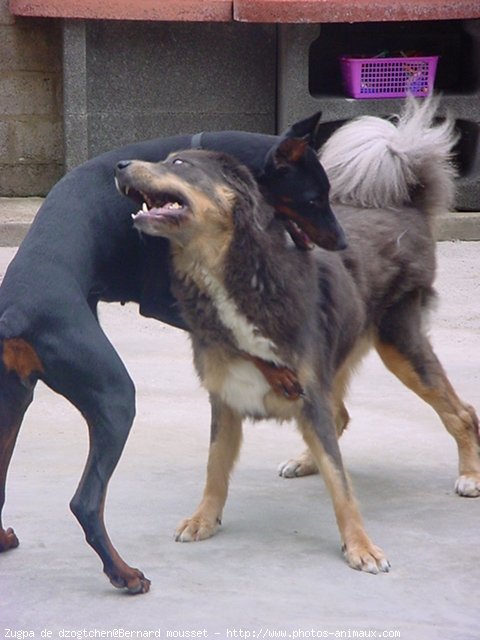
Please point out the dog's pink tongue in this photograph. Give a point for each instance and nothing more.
(168, 208)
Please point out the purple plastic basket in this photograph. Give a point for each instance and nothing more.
(388, 77)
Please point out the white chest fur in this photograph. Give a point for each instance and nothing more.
(244, 388)
(246, 334)
(236, 380)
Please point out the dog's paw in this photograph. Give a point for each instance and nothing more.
(196, 528)
(366, 557)
(132, 580)
(8, 540)
(298, 467)
(468, 485)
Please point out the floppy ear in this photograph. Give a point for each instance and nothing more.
(304, 129)
(288, 152)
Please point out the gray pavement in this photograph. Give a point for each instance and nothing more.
(275, 566)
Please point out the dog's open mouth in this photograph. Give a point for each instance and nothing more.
(298, 235)
(163, 207)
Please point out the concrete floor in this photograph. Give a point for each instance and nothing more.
(275, 566)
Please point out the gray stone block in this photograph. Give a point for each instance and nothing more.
(5, 15)
(126, 81)
(75, 93)
(114, 130)
(468, 193)
(29, 93)
(31, 143)
(38, 139)
(5, 153)
(75, 140)
(29, 46)
(178, 67)
(28, 179)
(74, 67)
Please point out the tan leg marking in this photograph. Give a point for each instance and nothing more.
(459, 418)
(359, 551)
(20, 356)
(223, 452)
(304, 464)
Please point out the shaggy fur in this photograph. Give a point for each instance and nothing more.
(248, 298)
(404, 164)
(252, 303)
(382, 164)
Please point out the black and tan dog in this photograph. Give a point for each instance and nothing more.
(82, 248)
(255, 306)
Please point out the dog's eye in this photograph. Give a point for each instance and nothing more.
(178, 161)
(316, 202)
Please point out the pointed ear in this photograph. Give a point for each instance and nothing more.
(304, 129)
(288, 152)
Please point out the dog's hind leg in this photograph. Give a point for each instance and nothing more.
(318, 429)
(82, 365)
(304, 464)
(15, 396)
(225, 442)
(407, 352)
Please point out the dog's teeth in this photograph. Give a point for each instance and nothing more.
(127, 189)
(145, 207)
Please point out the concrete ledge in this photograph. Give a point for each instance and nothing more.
(303, 11)
(459, 225)
(281, 11)
(163, 10)
(16, 215)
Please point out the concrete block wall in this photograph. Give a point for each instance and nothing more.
(31, 119)
(131, 80)
(309, 78)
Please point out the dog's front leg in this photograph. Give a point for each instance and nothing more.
(225, 441)
(318, 429)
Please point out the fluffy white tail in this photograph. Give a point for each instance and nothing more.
(377, 163)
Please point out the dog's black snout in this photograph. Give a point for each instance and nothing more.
(123, 164)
